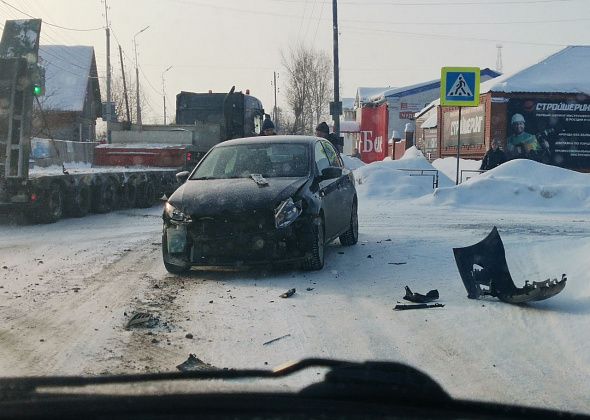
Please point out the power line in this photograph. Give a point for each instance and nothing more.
(441, 3)
(457, 37)
(49, 23)
(148, 80)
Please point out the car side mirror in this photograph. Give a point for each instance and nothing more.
(331, 172)
(181, 177)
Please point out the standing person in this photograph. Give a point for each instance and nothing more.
(323, 131)
(268, 128)
(493, 157)
(521, 144)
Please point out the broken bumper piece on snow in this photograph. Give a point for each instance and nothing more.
(484, 272)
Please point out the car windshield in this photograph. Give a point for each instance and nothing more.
(280, 160)
(236, 184)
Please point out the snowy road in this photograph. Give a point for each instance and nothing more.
(63, 304)
(65, 290)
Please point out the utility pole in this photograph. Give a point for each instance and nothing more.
(164, 92)
(274, 112)
(499, 65)
(109, 98)
(124, 86)
(137, 78)
(336, 106)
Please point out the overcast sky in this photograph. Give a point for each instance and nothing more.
(214, 44)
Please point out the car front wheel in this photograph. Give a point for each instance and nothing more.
(351, 236)
(315, 261)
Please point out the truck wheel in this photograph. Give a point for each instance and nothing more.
(80, 203)
(146, 195)
(315, 261)
(104, 197)
(351, 236)
(53, 205)
(128, 195)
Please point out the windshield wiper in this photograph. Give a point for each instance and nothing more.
(385, 376)
(203, 178)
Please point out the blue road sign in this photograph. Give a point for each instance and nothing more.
(459, 86)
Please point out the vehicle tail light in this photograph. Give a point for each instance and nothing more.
(34, 197)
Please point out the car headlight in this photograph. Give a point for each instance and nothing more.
(287, 212)
(175, 214)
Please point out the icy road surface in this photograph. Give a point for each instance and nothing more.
(68, 289)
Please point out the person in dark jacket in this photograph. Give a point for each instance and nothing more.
(268, 128)
(493, 157)
(323, 131)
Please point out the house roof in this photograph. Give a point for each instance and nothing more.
(67, 70)
(431, 122)
(422, 87)
(567, 71)
(364, 94)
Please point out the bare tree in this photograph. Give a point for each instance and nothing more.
(308, 86)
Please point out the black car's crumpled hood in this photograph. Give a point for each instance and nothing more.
(208, 197)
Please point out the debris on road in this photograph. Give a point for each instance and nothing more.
(369, 256)
(484, 264)
(397, 263)
(276, 339)
(420, 298)
(417, 306)
(142, 319)
(288, 293)
(193, 363)
(309, 289)
(189, 336)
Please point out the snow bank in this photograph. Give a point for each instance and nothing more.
(521, 183)
(397, 179)
(352, 163)
(448, 166)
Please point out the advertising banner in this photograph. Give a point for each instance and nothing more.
(549, 131)
(373, 133)
(472, 126)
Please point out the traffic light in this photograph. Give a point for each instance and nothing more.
(38, 80)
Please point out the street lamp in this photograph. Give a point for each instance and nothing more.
(137, 77)
(164, 92)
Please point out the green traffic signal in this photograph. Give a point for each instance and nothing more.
(37, 90)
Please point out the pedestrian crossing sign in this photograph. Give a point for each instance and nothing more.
(459, 86)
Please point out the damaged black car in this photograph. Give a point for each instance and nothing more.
(261, 200)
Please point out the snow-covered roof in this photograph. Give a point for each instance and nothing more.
(406, 90)
(567, 71)
(67, 70)
(364, 94)
(427, 108)
(431, 122)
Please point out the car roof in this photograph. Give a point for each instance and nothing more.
(270, 140)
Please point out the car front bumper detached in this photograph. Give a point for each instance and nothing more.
(484, 271)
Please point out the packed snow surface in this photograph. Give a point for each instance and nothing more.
(448, 166)
(523, 184)
(352, 162)
(409, 177)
